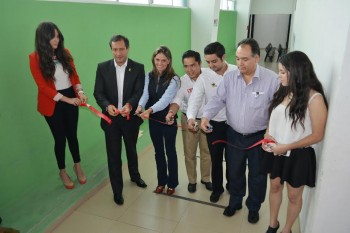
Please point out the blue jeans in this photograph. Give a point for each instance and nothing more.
(237, 162)
(167, 169)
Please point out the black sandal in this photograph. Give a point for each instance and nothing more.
(273, 230)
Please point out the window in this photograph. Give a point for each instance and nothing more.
(177, 3)
(133, 1)
(180, 3)
(169, 2)
(163, 2)
(229, 5)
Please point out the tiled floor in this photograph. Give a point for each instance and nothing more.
(270, 65)
(147, 212)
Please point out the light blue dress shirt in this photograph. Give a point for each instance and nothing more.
(166, 98)
(246, 104)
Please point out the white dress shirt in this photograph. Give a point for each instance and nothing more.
(184, 93)
(204, 89)
(120, 73)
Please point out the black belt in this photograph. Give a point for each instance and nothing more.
(247, 135)
(198, 119)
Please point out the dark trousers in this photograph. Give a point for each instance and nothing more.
(63, 125)
(217, 152)
(167, 169)
(237, 162)
(128, 130)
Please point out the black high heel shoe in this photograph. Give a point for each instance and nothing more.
(273, 229)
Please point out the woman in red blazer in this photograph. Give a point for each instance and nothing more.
(59, 95)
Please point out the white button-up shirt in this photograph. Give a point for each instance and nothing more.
(204, 89)
(184, 93)
(120, 73)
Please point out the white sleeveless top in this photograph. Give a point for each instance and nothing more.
(280, 125)
(62, 80)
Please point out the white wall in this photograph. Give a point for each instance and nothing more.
(243, 9)
(325, 38)
(271, 28)
(272, 6)
(321, 29)
(203, 29)
(247, 7)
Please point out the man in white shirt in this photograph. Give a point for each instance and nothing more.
(191, 61)
(205, 88)
(118, 88)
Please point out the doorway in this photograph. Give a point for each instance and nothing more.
(270, 28)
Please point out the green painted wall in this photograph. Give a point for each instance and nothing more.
(227, 34)
(31, 194)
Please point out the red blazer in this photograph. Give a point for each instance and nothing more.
(46, 89)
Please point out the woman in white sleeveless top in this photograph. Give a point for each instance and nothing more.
(298, 114)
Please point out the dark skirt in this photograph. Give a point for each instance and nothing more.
(297, 170)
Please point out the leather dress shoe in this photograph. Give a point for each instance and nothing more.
(118, 199)
(214, 197)
(192, 187)
(273, 229)
(231, 211)
(159, 189)
(253, 217)
(170, 191)
(208, 185)
(140, 183)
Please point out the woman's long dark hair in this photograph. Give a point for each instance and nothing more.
(301, 79)
(169, 72)
(44, 33)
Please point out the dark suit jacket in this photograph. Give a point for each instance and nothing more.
(106, 89)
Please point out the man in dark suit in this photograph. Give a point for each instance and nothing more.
(118, 89)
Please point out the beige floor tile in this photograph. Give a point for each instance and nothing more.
(145, 211)
(82, 222)
(102, 204)
(269, 65)
(147, 166)
(203, 218)
(119, 227)
(160, 205)
(148, 221)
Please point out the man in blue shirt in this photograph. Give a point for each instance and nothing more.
(246, 94)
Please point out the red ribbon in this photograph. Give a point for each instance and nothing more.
(162, 122)
(265, 140)
(98, 113)
(126, 115)
(165, 123)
